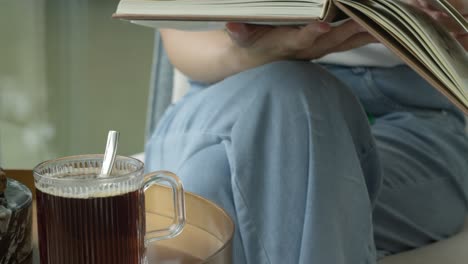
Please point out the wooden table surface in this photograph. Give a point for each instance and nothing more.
(26, 177)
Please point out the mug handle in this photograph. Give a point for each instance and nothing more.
(178, 199)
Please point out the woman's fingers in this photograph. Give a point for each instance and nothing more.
(237, 31)
(355, 41)
(301, 39)
(307, 42)
(245, 35)
(319, 38)
(278, 41)
(340, 34)
(336, 37)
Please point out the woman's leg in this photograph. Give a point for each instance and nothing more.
(286, 149)
(425, 166)
(423, 149)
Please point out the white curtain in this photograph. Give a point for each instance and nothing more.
(68, 74)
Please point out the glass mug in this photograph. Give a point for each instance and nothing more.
(83, 218)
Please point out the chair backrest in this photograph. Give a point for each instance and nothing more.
(451, 251)
(161, 83)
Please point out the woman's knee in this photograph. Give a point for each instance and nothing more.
(284, 88)
(284, 83)
(284, 78)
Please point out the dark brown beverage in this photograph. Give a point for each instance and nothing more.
(95, 230)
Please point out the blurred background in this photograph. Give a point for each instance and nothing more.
(68, 74)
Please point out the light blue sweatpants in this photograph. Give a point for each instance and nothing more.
(288, 151)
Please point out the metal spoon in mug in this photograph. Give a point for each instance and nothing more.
(109, 155)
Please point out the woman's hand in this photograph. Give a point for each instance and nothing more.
(271, 43)
(211, 56)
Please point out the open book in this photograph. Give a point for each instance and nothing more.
(422, 43)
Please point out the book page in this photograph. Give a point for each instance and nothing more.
(444, 5)
(181, 25)
(426, 40)
(199, 25)
(400, 32)
(436, 40)
(401, 51)
(221, 10)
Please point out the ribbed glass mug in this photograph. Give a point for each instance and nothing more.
(84, 218)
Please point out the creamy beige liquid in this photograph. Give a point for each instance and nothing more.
(193, 245)
(165, 255)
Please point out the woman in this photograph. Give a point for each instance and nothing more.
(286, 147)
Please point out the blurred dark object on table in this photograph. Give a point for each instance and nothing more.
(15, 221)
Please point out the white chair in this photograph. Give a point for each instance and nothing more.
(449, 251)
(453, 250)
